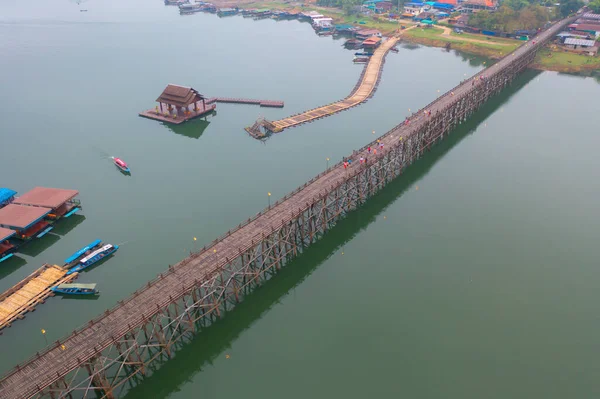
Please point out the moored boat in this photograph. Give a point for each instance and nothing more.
(175, 2)
(190, 8)
(75, 289)
(361, 59)
(225, 12)
(122, 165)
(88, 249)
(93, 257)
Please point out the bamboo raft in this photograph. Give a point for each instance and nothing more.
(31, 291)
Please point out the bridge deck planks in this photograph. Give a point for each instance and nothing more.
(359, 95)
(81, 346)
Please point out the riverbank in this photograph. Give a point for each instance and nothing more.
(439, 36)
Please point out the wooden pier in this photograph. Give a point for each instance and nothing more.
(262, 103)
(132, 339)
(365, 88)
(31, 291)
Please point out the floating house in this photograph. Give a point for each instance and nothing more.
(60, 202)
(178, 104)
(225, 12)
(6, 196)
(324, 23)
(372, 42)
(190, 8)
(6, 247)
(308, 15)
(262, 13)
(344, 28)
(27, 221)
(364, 34)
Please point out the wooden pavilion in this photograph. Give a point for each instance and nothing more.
(180, 97)
(178, 104)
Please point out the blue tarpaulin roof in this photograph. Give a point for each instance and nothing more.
(443, 6)
(342, 26)
(6, 194)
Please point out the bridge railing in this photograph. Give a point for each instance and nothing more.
(172, 269)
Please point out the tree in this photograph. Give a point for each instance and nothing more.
(569, 6)
(594, 6)
(516, 4)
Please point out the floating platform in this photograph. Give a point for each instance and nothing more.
(181, 117)
(262, 103)
(33, 290)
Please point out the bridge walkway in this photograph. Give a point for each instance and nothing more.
(42, 370)
(364, 90)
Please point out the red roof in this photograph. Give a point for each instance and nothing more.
(372, 40)
(595, 28)
(365, 32)
(20, 216)
(47, 197)
(486, 3)
(5, 233)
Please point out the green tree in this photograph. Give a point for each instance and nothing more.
(594, 6)
(516, 4)
(569, 6)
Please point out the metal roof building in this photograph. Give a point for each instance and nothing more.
(46, 197)
(579, 42)
(20, 217)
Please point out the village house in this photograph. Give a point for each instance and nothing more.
(413, 9)
(471, 6)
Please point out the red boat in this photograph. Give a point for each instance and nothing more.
(122, 165)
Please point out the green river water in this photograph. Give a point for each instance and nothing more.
(475, 275)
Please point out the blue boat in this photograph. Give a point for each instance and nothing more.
(364, 54)
(75, 289)
(83, 251)
(94, 257)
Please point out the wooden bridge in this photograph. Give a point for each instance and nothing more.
(130, 340)
(365, 88)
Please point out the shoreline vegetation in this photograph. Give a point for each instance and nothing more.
(549, 59)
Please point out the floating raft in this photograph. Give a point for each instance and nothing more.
(31, 291)
(262, 103)
(181, 118)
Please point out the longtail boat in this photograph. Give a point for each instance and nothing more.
(94, 257)
(75, 289)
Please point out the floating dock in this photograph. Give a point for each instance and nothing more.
(181, 116)
(262, 103)
(31, 291)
